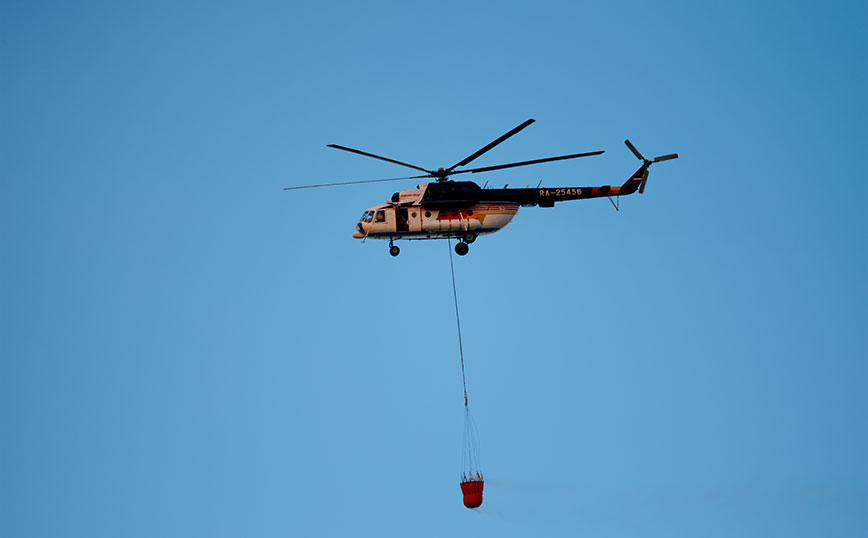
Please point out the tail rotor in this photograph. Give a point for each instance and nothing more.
(647, 163)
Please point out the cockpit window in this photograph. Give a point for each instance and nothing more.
(381, 216)
(362, 218)
(369, 216)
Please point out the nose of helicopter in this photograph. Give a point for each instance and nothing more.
(358, 235)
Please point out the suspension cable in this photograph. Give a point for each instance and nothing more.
(457, 320)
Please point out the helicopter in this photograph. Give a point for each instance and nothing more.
(462, 210)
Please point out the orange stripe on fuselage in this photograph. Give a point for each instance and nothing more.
(479, 210)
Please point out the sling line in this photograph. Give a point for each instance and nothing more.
(457, 321)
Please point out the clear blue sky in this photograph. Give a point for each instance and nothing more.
(188, 350)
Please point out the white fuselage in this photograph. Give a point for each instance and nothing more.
(417, 222)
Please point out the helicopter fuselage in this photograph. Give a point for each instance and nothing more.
(389, 221)
(463, 210)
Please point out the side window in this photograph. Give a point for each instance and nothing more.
(381, 216)
(369, 216)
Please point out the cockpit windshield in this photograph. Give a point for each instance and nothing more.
(369, 216)
(362, 218)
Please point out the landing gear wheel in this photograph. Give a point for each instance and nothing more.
(461, 249)
(469, 237)
(394, 251)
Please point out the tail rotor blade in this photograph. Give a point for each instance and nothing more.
(646, 163)
(642, 185)
(634, 150)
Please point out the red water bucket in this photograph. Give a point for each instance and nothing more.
(472, 490)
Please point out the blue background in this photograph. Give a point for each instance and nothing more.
(188, 350)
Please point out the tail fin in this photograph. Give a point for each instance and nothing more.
(637, 181)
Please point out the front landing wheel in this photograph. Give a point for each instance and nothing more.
(461, 249)
(394, 250)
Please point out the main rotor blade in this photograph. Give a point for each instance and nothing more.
(488, 147)
(352, 182)
(665, 157)
(634, 150)
(525, 163)
(366, 154)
